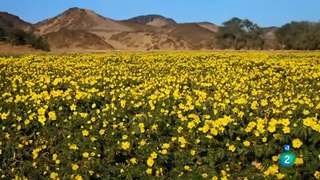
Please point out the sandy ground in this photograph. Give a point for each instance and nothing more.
(7, 48)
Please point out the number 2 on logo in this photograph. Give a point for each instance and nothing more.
(287, 159)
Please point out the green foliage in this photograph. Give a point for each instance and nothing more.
(19, 37)
(239, 34)
(2, 34)
(37, 42)
(243, 34)
(300, 35)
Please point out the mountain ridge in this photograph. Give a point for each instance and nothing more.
(10, 21)
(85, 29)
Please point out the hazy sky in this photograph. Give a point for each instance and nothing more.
(262, 12)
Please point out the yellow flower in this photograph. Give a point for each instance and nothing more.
(246, 143)
(142, 143)
(164, 151)
(73, 107)
(4, 116)
(141, 125)
(204, 175)
(186, 167)
(214, 178)
(214, 131)
(75, 167)
(41, 111)
(124, 137)
(166, 146)
(73, 147)
(296, 143)
(125, 145)
(154, 127)
(123, 103)
(85, 155)
(182, 140)
(306, 112)
(85, 132)
(191, 125)
(232, 148)
(154, 155)
(78, 177)
(54, 175)
(192, 152)
(317, 174)
(35, 152)
(52, 115)
(286, 130)
(149, 171)
(298, 161)
(223, 173)
(150, 162)
(275, 158)
(133, 160)
(54, 156)
(272, 128)
(264, 139)
(280, 176)
(102, 131)
(91, 172)
(26, 122)
(264, 102)
(42, 119)
(273, 169)
(93, 105)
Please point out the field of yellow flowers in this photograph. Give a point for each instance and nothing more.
(193, 115)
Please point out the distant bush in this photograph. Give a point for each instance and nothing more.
(300, 35)
(2, 35)
(19, 37)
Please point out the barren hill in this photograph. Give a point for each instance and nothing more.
(209, 26)
(79, 28)
(79, 39)
(194, 35)
(84, 29)
(80, 19)
(9, 21)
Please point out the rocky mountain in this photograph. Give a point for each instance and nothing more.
(9, 22)
(79, 28)
(79, 19)
(149, 32)
(76, 39)
(195, 36)
(82, 29)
